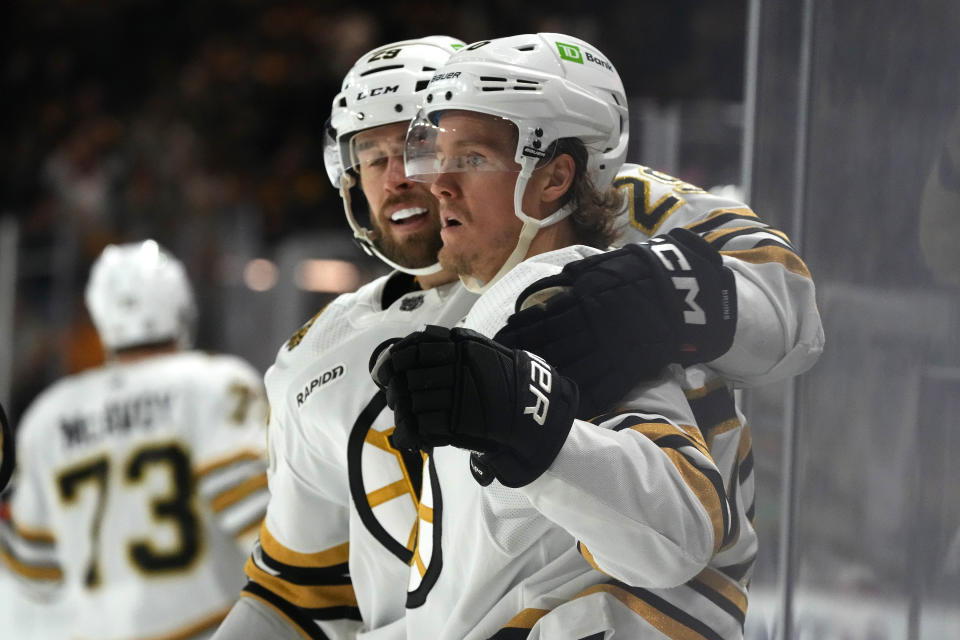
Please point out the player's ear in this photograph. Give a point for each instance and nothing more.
(558, 178)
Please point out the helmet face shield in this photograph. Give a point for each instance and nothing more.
(370, 151)
(460, 141)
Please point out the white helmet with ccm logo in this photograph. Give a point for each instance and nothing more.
(138, 294)
(549, 85)
(385, 86)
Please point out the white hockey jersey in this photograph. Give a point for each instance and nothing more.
(631, 513)
(140, 489)
(341, 525)
(778, 333)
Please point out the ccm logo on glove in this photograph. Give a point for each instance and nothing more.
(694, 313)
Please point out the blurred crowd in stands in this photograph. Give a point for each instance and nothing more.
(182, 120)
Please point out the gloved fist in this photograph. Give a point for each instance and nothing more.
(457, 387)
(620, 317)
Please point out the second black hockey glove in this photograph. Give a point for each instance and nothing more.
(457, 387)
(620, 317)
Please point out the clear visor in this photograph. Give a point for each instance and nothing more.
(458, 141)
(372, 149)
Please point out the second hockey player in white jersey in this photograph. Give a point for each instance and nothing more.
(623, 523)
(141, 484)
(332, 442)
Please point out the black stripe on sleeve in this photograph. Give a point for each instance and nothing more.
(718, 599)
(714, 408)
(308, 576)
(711, 474)
(510, 633)
(746, 467)
(737, 571)
(670, 610)
(636, 421)
(767, 240)
(297, 615)
(715, 223)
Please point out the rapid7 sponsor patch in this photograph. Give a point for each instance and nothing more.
(330, 375)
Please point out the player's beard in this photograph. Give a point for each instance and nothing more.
(412, 250)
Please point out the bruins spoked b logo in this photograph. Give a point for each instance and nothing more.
(384, 481)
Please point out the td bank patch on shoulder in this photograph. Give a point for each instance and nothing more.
(325, 379)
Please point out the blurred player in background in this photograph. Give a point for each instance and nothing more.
(141, 484)
(535, 524)
(341, 528)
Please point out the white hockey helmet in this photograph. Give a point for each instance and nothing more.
(385, 86)
(139, 294)
(550, 86)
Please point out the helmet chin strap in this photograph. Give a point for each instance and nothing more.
(364, 236)
(527, 233)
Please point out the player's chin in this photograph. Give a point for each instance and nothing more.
(415, 251)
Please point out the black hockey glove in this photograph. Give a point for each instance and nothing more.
(456, 387)
(620, 317)
(6, 450)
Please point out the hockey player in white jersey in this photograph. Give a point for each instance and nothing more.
(620, 524)
(141, 484)
(335, 548)
(341, 527)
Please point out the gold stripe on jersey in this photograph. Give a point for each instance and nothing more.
(235, 494)
(216, 465)
(526, 618)
(290, 621)
(388, 492)
(657, 430)
(706, 493)
(31, 572)
(412, 538)
(745, 445)
(709, 491)
(582, 548)
(724, 586)
(770, 254)
(33, 535)
(333, 556)
(417, 561)
(303, 596)
(664, 623)
(723, 427)
(425, 513)
(722, 233)
(381, 440)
